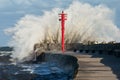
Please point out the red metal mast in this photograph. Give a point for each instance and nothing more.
(62, 19)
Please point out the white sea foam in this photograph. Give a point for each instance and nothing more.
(5, 53)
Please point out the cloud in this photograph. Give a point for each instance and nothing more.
(37, 5)
(23, 7)
(21, 2)
(4, 3)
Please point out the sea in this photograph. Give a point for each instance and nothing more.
(28, 71)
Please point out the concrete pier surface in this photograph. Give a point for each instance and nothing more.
(94, 66)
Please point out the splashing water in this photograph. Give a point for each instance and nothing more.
(84, 23)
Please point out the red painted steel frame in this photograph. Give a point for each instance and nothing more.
(62, 19)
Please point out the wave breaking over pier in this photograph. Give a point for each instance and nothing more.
(85, 23)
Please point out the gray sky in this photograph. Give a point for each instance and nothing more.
(12, 10)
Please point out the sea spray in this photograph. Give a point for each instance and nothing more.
(84, 23)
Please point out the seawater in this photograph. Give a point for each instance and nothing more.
(31, 71)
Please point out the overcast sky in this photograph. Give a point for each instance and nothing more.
(12, 10)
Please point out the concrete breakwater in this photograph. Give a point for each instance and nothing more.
(111, 48)
(67, 63)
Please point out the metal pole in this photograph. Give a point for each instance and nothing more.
(62, 19)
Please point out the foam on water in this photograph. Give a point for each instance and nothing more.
(41, 69)
(6, 52)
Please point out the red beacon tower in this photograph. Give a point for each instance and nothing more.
(62, 19)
